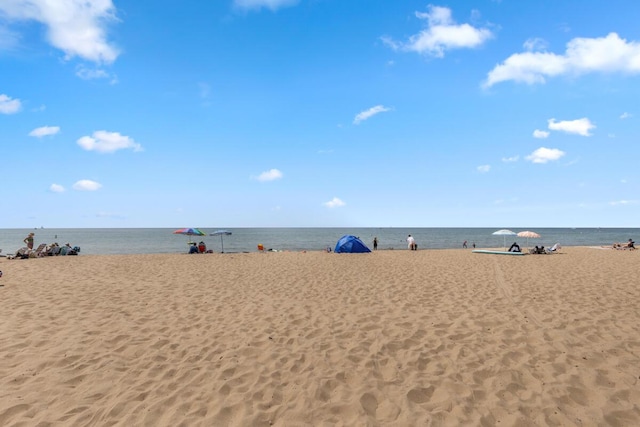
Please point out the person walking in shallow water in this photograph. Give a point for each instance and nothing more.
(375, 243)
(464, 245)
(29, 240)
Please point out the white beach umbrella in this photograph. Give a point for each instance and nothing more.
(504, 233)
(221, 233)
(529, 235)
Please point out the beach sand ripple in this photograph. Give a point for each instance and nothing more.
(391, 338)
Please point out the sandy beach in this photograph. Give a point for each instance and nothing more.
(391, 338)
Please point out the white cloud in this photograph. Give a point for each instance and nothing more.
(108, 142)
(535, 44)
(268, 4)
(87, 185)
(624, 202)
(8, 105)
(56, 188)
(544, 155)
(364, 115)
(87, 73)
(579, 127)
(78, 28)
(441, 34)
(44, 131)
(270, 175)
(541, 134)
(334, 203)
(484, 168)
(510, 159)
(626, 115)
(583, 55)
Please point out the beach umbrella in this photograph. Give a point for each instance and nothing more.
(189, 232)
(221, 233)
(504, 234)
(528, 235)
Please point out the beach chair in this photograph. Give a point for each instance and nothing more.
(40, 251)
(20, 253)
(554, 249)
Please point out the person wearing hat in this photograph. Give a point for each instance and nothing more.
(29, 240)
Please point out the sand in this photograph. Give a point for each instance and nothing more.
(391, 338)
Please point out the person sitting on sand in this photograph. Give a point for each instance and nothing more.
(514, 247)
(202, 247)
(193, 249)
(53, 249)
(629, 245)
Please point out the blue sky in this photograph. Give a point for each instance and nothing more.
(319, 113)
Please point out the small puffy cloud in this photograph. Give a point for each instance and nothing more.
(364, 115)
(44, 131)
(270, 175)
(108, 142)
(267, 4)
(540, 134)
(625, 115)
(87, 185)
(484, 168)
(9, 105)
(580, 126)
(583, 55)
(56, 188)
(510, 159)
(334, 203)
(441, 34)
(78, 28)
(544, 155)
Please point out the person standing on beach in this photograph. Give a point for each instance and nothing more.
(412, 243)
(375, 243)
(29, 240)
(464, 245)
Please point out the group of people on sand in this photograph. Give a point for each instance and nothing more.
(630, 244)
(198, 248)
(43, 250)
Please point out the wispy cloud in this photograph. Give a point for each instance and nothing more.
(78, 28)
(108, 142)
(367, 114)
(95, 73)
(267, 4)
(334, 203)
(9, 105)
(87, 185)
(441, 34)
(56, 188)
(626, 115)
(579, 127)
(44, 131)
(544, 155)
(583, 55)
(270, 175)
(483, 168)
(510, 159)
(624, 202)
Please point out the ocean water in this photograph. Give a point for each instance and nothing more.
(162, 240)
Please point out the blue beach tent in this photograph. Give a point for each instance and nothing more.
(351, 244)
